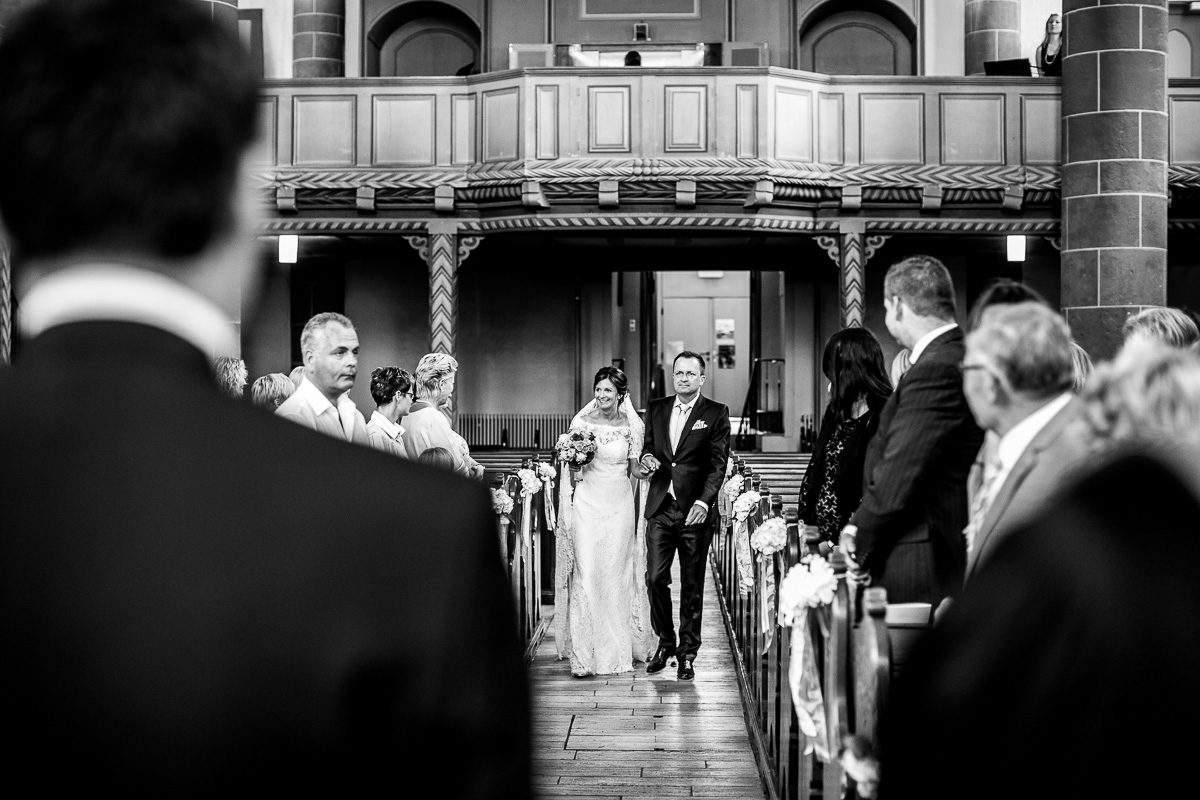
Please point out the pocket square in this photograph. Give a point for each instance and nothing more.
(700, 425)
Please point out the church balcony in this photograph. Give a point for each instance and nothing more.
(762, 147)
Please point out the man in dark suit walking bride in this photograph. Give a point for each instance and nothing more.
(686, 448)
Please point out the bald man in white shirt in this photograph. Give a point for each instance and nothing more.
(329, 345)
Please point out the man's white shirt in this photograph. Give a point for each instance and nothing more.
(924, 341)
(345, 411)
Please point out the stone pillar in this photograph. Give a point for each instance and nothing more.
(1114, 188)
(319, 39)
(224, 11)
(5, 305)
(993, 32)
(853, 279)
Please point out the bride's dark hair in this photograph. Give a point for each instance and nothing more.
(616, 377)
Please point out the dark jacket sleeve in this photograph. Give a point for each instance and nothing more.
(923, 429)
(718, 444)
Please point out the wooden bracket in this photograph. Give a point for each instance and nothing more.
(365, 199)
(931, 197)
(763, 194)
(443, 199)
(1014, 198)
(610, 194)
(532, 195)
(852, 196)
(685, 193)
(285, 199)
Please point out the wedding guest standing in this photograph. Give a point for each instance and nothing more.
(393, 393)
(322, 401)
(231, 376)
(858, 389)
(1160, 325)
(428, 425)
(1018, 380)
(906, 536)
(227, 603)
(269, 391)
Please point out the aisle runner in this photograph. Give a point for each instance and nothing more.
(637, 735)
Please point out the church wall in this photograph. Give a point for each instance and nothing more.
(767, 21)
(512, 22)
(571, 25)
(942, 31)
(266, 328)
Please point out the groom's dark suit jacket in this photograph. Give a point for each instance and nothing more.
(198, 595)
(914, 506)
(698, 465)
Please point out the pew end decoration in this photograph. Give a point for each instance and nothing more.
(531, 484)
(576, 448)
(768, 540)
(745, 505)
(502, 504)
(808, 586)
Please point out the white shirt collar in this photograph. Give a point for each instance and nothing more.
(117, 292)
(924, 341)
(390, 428)
(1017, 440)
(686, 406)
(319, 403)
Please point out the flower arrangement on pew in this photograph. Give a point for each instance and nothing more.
(546, 473)
(733, 487)
(808, 585)
(743, 506)
(531, 484)
(768, 539)
(576, 448)
(502, 504)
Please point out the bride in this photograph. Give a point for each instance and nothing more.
(601, 605)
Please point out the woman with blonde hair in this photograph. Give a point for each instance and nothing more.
(427, 426)
(1149, 396)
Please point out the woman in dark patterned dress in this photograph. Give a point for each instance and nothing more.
(858, 388)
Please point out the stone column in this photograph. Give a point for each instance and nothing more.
(224, 11)
(853, 279)
(319, 39)
(5, 305)
(1114, 189)
(993, 32)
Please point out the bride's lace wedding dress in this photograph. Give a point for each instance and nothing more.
(602, 616)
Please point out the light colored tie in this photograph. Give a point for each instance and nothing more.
(678, 417)
(982, 502)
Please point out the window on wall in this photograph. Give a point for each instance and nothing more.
(1179, 55)
(423, 38)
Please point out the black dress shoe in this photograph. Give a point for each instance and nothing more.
(686, 672)
(659, 661)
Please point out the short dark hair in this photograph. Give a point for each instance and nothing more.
(924, 284)
(129, 118)
(619, 381)
(387, 381)
(689, 354)
(1002, 292)
(853, 363)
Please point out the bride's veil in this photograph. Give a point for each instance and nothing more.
(644, 638)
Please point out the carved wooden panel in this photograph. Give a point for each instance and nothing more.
(323, 131)
(892, 128)
(501, 125)
(972, 128)
(547, 122)
(404, 132)
(793, 124)
(1185, 129)
(831, 132)
(267, 151)
(686, 119)
(746, 136)
(608, 119)
(462, 129)
(1041, 138)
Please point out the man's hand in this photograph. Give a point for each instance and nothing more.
(697, 514)
(650, 463)
(848, 544)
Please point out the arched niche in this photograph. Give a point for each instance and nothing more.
(423, 38)
(1179, 55)
(867, 37)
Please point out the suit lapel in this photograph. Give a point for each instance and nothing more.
(1020, 471)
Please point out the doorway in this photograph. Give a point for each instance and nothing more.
(708, 313)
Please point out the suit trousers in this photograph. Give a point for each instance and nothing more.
(665, 534)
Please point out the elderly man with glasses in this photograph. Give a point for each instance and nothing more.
(393, 392)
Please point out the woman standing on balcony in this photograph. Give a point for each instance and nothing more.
(1049, 52)
(858, 388)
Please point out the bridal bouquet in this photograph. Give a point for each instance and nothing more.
(576, 448)
(745, 504)
(770, 537)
